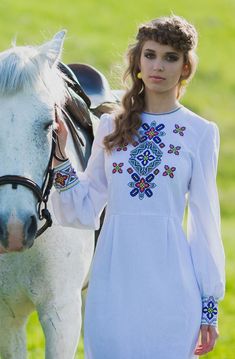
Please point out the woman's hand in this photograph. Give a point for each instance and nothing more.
(208, 337)
(62, 134)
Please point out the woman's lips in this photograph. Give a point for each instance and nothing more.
(157, 78)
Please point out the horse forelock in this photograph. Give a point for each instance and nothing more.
(22, 68)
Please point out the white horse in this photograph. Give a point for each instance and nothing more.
(49, 276)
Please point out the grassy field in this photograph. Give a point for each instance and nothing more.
(98, 34)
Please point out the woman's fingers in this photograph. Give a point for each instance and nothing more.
(204, 334)
(213, 335)
(202, 347)
(61, 129)
(209, 334)
(62, 134)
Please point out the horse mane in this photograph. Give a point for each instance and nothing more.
(24, 68)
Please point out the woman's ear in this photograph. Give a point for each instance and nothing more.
(186, 71)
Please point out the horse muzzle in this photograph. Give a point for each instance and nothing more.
(17, 234)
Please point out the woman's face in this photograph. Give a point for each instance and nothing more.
(161, 67)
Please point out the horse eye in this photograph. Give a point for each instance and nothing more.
(48, 125)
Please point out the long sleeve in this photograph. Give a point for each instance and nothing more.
(204, 225)
(81, 196)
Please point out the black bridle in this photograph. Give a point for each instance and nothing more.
(42, 193)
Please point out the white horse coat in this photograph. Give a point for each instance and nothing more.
(49, 276)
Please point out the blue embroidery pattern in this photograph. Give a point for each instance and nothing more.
(141, 185)
(145, 158)
(65, 177)
(209, 311)
(152, 132)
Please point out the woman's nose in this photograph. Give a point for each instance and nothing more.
(158, 65)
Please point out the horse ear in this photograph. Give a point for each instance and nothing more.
(52, 49)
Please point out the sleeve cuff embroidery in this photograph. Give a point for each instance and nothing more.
(65, 177)
(209, 311)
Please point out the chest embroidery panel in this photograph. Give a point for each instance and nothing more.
(145, 158)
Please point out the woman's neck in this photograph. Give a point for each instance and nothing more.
(155, 103)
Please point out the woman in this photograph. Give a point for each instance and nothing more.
(152, 289)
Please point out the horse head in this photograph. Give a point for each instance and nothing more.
(30, 87)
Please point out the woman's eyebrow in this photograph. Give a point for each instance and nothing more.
(150, 50)
(172, 53)
(166, 53)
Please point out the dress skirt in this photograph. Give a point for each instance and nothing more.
(143, 300)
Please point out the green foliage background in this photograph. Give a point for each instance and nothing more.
(98, 34)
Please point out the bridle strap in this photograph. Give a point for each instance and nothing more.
(15, 180)
(42, 193)
(43, 213)
(41, 196)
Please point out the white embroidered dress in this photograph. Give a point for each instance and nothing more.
(149, 282)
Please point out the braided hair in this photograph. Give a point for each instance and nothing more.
(174, 31)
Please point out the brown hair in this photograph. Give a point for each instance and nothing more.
(174, 31)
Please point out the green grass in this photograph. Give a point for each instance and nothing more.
(98, 34)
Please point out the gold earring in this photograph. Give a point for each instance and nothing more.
(139, 75)
(183, 82)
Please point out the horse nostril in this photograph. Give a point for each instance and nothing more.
(30, 229)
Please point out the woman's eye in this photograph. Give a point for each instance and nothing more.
(149, 55)
(172, 58)
(48, 126)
